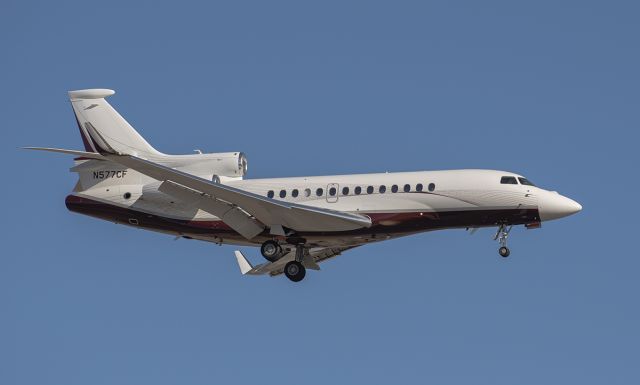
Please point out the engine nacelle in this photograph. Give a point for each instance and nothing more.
(216, 166)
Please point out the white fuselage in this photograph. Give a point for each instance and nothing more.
(398, 203)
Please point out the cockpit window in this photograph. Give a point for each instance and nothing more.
(508, 180)
(525, 182)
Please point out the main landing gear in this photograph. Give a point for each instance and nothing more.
(501, 236)
(294, 270)
(271, 250)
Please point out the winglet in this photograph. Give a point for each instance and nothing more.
(243, 263)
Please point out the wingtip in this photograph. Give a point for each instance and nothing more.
(243, 263)
(34, 148)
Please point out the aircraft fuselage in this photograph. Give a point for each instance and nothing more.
(398, 204)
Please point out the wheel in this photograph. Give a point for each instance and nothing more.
(271, 250)
(294, 271)
(504, 251)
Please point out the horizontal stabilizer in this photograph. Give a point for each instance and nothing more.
(84, 154)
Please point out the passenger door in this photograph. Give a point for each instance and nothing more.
(332, 192)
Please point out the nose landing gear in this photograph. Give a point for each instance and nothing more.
(501, 236)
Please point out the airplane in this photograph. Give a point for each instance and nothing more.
(297, 222)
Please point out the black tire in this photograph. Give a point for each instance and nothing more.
(504, 252)
(271, 251)
(295, 271)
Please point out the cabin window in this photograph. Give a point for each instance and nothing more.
(370, 190)
(382, 189)
(419, 187)
(345, 191)
(283, 193)
(357, 190)
(508, 180)
(432, 186)
(333, 191)
(307, 192)
(319, 191)
(270, 194)
(407, 188)
(294, 193)
(394, 188)
(525, 181)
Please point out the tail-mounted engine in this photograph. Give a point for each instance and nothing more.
(216, 166)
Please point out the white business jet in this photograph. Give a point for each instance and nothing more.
(297, 222)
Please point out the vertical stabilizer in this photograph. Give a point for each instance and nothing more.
(102, 128)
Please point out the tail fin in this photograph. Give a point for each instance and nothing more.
(102, 128)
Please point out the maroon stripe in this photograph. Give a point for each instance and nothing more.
(394, 224)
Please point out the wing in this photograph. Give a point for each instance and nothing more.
(245, 212)
(242, 205)
(310, 261)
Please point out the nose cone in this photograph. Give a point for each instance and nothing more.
(552, 205)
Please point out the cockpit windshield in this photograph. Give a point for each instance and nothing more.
(508, 180)
(525, 181)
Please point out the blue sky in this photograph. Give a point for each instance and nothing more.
(548, 89)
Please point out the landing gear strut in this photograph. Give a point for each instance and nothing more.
(294, 270)
(271, 251)
(501, 236)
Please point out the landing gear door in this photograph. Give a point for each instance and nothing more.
(332, 192)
